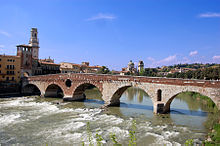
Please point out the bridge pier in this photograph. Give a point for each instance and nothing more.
(158, 108)
(79, 97)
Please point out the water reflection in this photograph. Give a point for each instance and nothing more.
(188, 112)
(132, 93)
(135, 102)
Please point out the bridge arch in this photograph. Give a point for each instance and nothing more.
(166, 108)
(54, 90)
(115, 98)
(31, 89)
(79, 91)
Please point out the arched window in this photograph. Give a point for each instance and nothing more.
(159, 95)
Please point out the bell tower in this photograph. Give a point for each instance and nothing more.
(34, 43)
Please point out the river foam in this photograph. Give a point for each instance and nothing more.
(56, 124)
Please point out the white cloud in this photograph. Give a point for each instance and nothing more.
(150, 59)
(2, 46)
(209, 15)
(168, 59)
(192, 53)
(216, 57)
(5, 33)
(101, 16)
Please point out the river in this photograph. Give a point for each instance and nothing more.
(49, 121)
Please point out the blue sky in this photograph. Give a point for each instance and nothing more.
(112, 32)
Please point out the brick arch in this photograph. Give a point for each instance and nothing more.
(54, 90)
(203, 92)
(79, 89)
(31, 89)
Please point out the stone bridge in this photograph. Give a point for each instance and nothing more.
(161, 90)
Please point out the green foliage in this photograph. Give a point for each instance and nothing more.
(89, 133)
(83, 143)
(152, 72)
(207, 72)
(104, 70)
(141, 73)
(215, 136)
(132, 141)
(113, 138)
(98, 138)
(189, 142)
(198, 71)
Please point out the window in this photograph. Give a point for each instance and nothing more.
(0, 59)
(0, 71)
(13, 78)
(8, 72)
(7, 66)
(159, 93)
(0, 65)
(7, 78)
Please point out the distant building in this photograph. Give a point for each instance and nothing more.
(140, 66)
(27, 63)
(49, 67)
(25, 53)
(130, 66)
(130, 69)
(66, 67)
(47, 60)
(30, 62)
(34, 43)
(10, 68)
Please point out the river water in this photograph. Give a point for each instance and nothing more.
(42, 121)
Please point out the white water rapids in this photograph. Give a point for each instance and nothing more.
(27, 121)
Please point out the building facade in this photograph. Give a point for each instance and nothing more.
(25, 54)
(66, 67)
(10, 68)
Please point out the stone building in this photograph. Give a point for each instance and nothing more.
(25, 53)
(130, 69)
(10, 68)
(140, 65)
(130, 66)
(30, 62)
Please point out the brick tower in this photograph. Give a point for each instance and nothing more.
(34, 43)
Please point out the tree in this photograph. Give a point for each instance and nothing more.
(104, 70)
(141, 73)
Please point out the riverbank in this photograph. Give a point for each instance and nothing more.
(8, 89)
(214, 136)
(7, 95)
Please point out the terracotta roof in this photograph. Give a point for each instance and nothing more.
(124, 71)
(95, 66)
(9, 56)
(48, 63)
